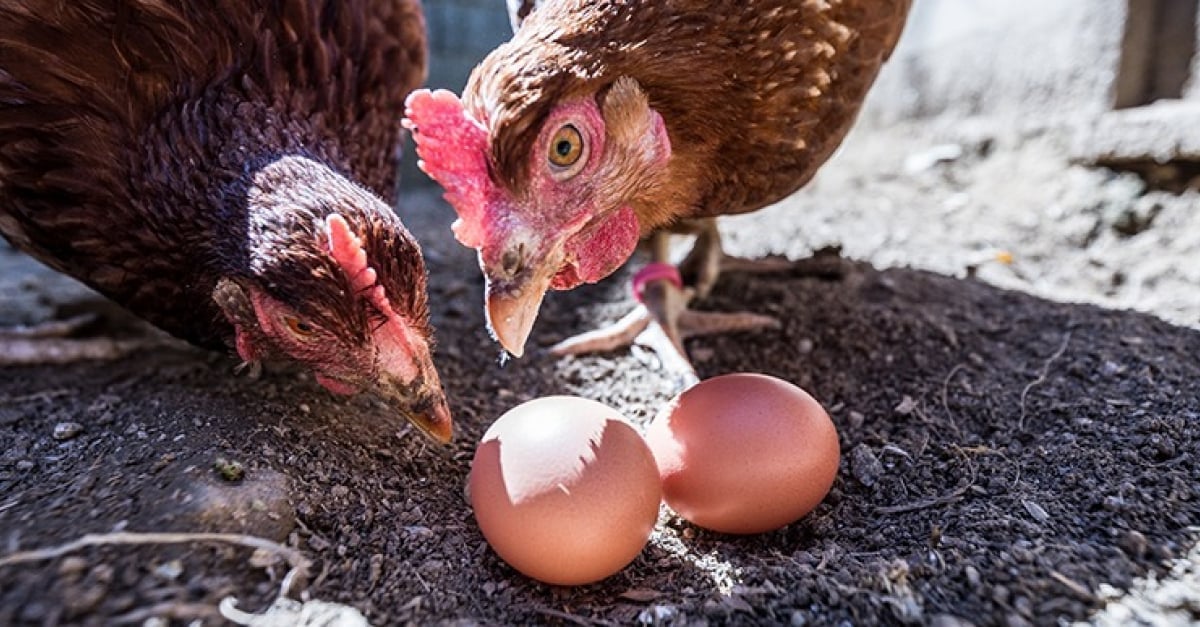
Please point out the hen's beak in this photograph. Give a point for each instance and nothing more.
(423, 403)
(514, 299)
(511, 311)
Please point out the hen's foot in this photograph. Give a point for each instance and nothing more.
(662, 322)
(50, 343)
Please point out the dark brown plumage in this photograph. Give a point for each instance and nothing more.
(216, 167)
(683, 110)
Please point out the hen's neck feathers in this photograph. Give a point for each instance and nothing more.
(755, 94)
(287, 246)
(131, 132)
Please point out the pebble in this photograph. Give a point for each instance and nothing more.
(973, 577)
(1134, 543)
(72, 566)
(67, 430)
(169, 571)
(865, 466)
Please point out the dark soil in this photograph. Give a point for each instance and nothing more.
(1004, 457)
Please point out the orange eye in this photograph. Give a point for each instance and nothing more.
(298, 326)
(566, 147)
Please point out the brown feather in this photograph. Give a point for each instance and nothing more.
(129, 130)
(756, 95)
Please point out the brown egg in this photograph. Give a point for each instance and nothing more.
(744, 453)
(565, 490)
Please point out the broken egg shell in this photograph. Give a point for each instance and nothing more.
(565, 490)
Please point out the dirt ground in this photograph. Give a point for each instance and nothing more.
(1018, 446)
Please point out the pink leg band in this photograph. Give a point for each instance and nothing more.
(654, 272)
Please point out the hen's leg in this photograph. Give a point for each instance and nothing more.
(50, 343)
(707, 260)
(663, 320)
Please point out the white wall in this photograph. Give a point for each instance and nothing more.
(1001, 57)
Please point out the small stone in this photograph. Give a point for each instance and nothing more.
(1019, 555)
(67, 430)
(973, 577)
(907, 406)
(169, 571)
(865, 466)
(1023, 605)
(1134, 544)
(1037, 512)
(658, 615)
(1015, 620)
(949, 620)
(72, 566)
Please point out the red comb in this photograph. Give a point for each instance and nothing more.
(452, 148)
(347, 250)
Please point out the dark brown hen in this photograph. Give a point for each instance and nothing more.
(200, 163)
(604, 121)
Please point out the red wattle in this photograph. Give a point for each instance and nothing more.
(598, 252)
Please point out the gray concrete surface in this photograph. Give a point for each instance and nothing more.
(1001, 58)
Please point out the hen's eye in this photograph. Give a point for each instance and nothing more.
(566, 147)
(298, 326)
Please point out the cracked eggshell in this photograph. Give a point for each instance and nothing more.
(565, 490)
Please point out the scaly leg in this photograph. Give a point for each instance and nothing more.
(707, 260)
(50, 343)
(663, 320)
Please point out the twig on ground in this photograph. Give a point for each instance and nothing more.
(1041, 378)
(294, 557)
(571, 618)
(45, 395)
(1075, 587)
(946, 390)
(298, 562)
(178, 611)
(985, 450)
(944, 499)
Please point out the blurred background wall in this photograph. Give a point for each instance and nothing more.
(461, 33)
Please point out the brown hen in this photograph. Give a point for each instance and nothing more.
(605, 121)
(225, 169)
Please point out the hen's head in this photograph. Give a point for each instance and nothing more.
(332, 281)
(549, 190)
